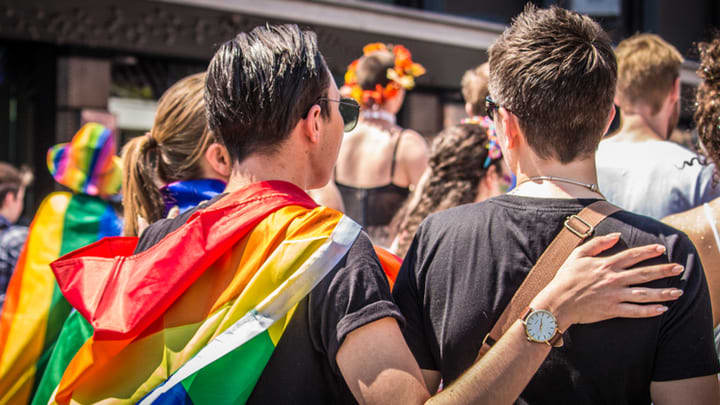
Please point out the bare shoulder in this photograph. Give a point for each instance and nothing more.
(412, 145)
(687, 221)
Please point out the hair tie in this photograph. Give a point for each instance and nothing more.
(151, 142)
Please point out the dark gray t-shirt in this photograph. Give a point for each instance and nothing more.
(302, 369)
(466, 263)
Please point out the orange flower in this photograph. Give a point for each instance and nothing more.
(375, 46)
(401, 75)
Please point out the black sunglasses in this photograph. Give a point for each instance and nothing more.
(491, 106)
(349, 111)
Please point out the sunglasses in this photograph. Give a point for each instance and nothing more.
(349, 111)
(491, 106)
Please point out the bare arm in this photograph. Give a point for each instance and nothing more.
(698, 390)
(379, 368)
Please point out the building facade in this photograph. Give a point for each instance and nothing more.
(66, 62)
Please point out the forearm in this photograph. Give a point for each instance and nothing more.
(501, 375)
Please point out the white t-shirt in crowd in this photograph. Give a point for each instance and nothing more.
(652, 178)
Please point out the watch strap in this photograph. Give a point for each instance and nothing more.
(575, 230)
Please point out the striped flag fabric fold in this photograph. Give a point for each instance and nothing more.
(225, 306)
(35, 309)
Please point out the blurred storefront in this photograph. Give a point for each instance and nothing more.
(65, 62)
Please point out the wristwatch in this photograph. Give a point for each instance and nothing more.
(541, 327)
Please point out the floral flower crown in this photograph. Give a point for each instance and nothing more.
(494, 151)
(402, 75)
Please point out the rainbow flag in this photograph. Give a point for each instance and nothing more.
(34, 309)
(197, 324)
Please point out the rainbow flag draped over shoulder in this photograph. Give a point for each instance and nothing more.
(196, 317)
(35, 310)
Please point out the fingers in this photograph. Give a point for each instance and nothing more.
(626, 310)
(597, 245)
(646, 274)
(630, 257)
(644, 295)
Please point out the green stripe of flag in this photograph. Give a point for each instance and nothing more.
(81, 227)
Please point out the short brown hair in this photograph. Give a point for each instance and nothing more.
(12, 180)
(555, 70)
(475, 88)
(647, 69)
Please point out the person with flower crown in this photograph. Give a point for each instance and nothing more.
(379, 161)
(34, 310)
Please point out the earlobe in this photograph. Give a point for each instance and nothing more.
(511, 130)
(218, 157)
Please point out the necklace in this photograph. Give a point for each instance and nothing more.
(590, 186)
(379, 115)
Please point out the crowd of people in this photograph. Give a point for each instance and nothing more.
(284, 240)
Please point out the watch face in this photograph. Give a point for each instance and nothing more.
(540, 326)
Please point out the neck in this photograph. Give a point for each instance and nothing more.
(5, 212)
(639, 128)
(256, 168)
(582, 171)
(379, 115)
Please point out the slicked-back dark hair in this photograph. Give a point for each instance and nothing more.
(260, 84)
(556, 71)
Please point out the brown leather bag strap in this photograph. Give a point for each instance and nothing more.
(576, 229)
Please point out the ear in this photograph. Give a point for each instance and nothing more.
(9, 199)
(218, 158)
(468, 109)
(675, 94)
(312, 124)
(513, 133)
(611, 117)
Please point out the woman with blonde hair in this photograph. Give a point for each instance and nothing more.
(178, 164)
(379, 161)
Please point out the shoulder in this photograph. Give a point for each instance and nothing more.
(412, 145)
(645, 230)
(457, 221)
(156, 231)
(14, 237)
(681, 220)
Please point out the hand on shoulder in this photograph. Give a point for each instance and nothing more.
(589, 289)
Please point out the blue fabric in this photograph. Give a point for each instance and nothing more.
(187, 194)
(110, 223)
(175, 396)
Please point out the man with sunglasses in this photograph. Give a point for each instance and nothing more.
(552, 81)
(272, 102)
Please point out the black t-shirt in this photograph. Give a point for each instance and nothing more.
(302, 369)
(466, 263)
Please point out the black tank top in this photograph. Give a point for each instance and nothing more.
(374, 206)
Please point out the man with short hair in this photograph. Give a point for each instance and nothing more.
(474, 88)
(639, 169)
(328, 331)
(13, 183)
(552, 81)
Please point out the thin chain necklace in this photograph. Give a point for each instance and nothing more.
(590, 186)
